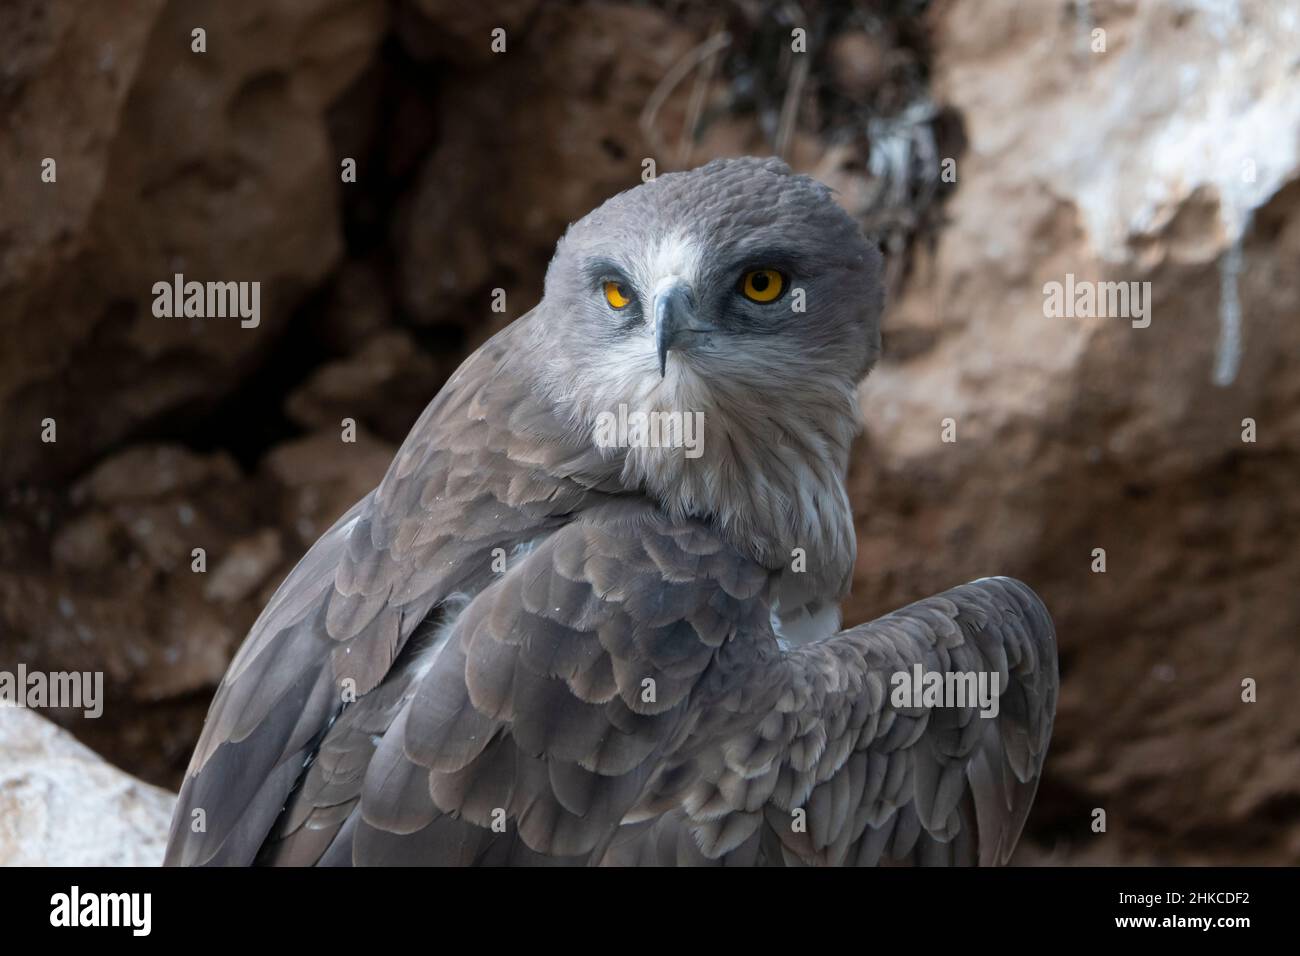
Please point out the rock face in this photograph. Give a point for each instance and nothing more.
(1169, 159)
(510, 172)
(215, 165)
(62, 805)
(1164, 150)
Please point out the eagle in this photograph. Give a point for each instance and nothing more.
(541, 640)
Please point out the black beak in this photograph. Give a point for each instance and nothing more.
(674, 311)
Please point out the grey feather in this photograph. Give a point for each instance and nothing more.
(617, 692)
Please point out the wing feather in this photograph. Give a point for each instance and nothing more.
(334, 634)
(870, 781)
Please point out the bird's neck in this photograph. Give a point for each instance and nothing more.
(772, 477)
(770, 474)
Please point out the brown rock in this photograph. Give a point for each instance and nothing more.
(358, 308)
(321, 477)
(148, 472)
(161, 154)
(245, 566)
(114, 588)
(511, 171)
(1080, 433)
(85, 543)
(385, 385)
(461, 30)
(859, 63)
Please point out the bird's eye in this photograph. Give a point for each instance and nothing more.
(762, 285)
(616, 295)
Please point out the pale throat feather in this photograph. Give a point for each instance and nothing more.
(770, 473)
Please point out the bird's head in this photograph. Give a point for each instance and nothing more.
(739, 273)
(738, 291)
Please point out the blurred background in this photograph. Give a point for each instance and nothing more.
(1117, 141)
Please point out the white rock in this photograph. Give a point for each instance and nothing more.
(63, 805)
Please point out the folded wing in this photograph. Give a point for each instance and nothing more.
(843, 769)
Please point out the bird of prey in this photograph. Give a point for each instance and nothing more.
(529, 645)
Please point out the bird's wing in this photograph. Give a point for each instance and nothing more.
(276, 697)
(474, 475)
(548, 710)
(838, 772)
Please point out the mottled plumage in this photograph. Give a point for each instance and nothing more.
(523, 647)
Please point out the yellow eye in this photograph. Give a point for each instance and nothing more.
(615, 295)
(762, 285)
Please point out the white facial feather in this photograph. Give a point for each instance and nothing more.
(676, 255)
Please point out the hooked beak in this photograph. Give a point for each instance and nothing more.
(674, 312)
